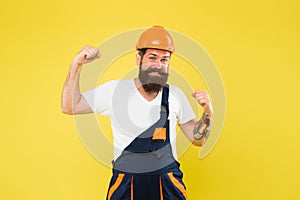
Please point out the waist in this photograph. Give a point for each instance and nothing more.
(172, 166)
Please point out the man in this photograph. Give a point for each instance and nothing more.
(145, 161)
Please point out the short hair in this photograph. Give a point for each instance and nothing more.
(142, 52)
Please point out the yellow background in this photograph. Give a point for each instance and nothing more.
(255, 45)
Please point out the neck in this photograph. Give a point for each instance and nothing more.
(147, 95)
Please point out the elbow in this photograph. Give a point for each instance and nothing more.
(66, 110)
(66, 107)
(199, 143)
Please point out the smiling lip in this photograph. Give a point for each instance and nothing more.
(154, 74)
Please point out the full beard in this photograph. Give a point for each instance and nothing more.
(153, 84)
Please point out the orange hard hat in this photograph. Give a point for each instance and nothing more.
(156, 37)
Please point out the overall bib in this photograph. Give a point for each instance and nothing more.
(146, 169)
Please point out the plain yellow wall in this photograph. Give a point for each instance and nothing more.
(255, 45)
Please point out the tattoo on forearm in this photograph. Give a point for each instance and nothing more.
(202, 128)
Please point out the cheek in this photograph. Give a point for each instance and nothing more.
(165, 68)
(144, 67)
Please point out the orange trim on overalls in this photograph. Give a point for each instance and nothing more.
(115, 185)
(177, 184)
(131, 189)
(160, 190)
(159, 134)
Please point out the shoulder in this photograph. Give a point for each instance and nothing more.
(179, 96)
(112, 84)
(176, 92)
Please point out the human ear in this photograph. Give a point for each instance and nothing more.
(138, 59)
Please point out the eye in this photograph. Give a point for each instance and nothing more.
(164, 60)
(152, 58)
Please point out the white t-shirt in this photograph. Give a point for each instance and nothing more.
(131, 114)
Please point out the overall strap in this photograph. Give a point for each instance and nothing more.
(165, 100)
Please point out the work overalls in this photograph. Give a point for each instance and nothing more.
(146, 169)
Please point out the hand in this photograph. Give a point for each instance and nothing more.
(203, 100)
(86, 55)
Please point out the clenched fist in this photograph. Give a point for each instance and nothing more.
(86, 55)
(203, 99)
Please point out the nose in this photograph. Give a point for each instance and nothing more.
(157, 64)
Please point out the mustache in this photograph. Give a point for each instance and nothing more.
(151, 70)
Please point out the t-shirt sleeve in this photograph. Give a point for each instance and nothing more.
(185, 112)
(100, 98)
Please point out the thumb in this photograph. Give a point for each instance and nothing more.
(98, 54)
(194, 94)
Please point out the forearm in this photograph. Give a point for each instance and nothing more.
(202, 129)
(194, 128)
(71, 91)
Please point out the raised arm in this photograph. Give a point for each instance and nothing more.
(72, 101)
(198, 131)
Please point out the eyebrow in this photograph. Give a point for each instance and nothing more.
(153, 54)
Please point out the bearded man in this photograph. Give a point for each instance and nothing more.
(144, 113)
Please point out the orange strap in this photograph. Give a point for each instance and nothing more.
(115, 185)
(177, 184)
